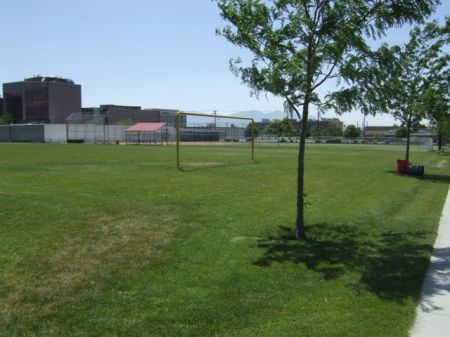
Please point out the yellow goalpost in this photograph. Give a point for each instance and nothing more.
(178, 127)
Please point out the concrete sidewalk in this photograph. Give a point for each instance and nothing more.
(433, 312)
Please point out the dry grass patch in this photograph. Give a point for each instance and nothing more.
(442, 164)
(85, 261)
(203, 164)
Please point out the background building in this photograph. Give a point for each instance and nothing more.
(379, 131)
(114, 114)
(108, 122)
(123, 114)
(167, 116)
(41, 100)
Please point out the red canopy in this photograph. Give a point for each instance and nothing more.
(142, 127)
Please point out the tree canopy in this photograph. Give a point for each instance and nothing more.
(251, 131)
(436, 106)
(280, 128)
(435, 99)
(418, 82)
(297, 45)
(352, 131)
(332, 130)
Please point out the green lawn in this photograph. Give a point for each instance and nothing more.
(103, 240)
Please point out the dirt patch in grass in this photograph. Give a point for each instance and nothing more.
(441, 164)
(203, 164)
(86, 261)
(245, 239)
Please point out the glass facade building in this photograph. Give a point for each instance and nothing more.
(41, 100)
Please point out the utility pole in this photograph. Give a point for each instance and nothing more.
(364, 126)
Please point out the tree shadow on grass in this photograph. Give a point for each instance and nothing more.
(436, 178)
(391, 265)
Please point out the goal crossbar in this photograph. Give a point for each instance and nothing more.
(180, 113)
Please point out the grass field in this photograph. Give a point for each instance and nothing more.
(113, 241)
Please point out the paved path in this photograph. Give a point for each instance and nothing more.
(433, 312)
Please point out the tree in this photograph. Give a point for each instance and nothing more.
(273, 128)
(315, 132)
(249, 131)
(286, 127)
(4, 120)
(298, 45)
(435, 100)
(333, 130)
(419, 66)
(401, 131)
(352, 131)
(445, 132)
(280, 128)
(436, 104)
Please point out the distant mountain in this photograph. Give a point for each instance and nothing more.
(256, 115)
(259, 115)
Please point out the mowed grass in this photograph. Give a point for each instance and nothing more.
(114, 241)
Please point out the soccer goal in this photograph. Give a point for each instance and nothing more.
(207, 130)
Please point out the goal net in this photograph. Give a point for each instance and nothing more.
(213, 140)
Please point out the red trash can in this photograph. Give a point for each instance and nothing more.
(402, 165)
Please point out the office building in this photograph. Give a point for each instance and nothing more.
(41, 100)
(123, 114)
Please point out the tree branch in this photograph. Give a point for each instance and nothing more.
(327, 76)
(293, 107)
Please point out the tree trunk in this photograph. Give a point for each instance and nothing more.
(300, 220)
(440, 141)
(408, 136)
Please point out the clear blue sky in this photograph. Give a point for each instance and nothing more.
(136, 52)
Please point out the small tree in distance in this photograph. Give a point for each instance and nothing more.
(248, 133)
(274, 128)
(332, 130)
(420, 65)
(436, 104)
(298, 45)
(436, 98)
(400, 131)
(352, 131)
(280, 128)
(4, 119)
